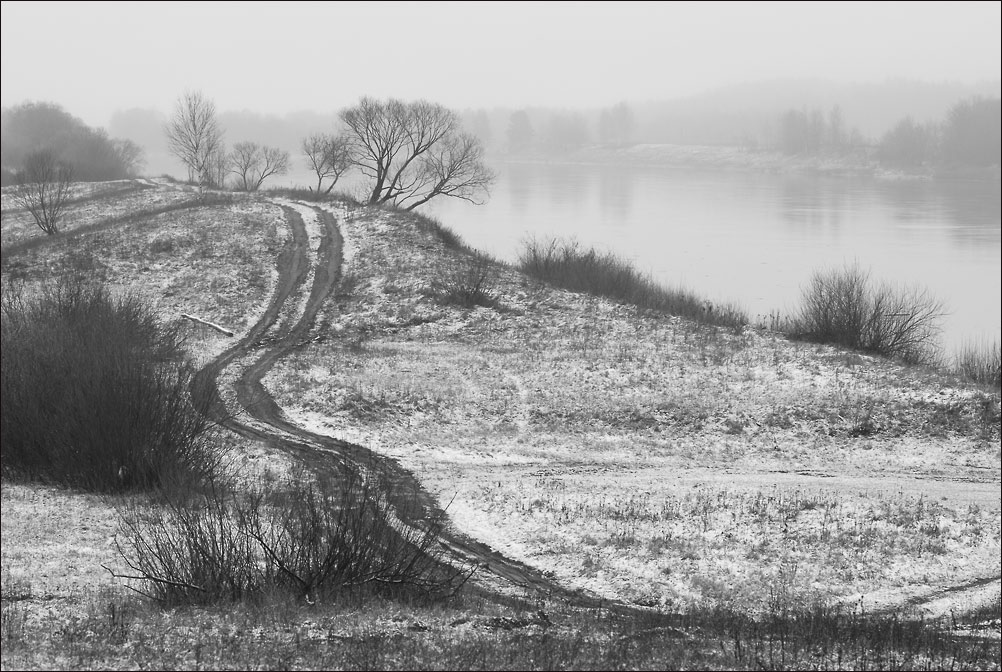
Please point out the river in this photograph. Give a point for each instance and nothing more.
(755, 239)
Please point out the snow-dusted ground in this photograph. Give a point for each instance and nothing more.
(645, 457)
(637, 455)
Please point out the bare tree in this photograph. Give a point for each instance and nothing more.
(43, 189)
(253, 164)
(455, 167)
(413, 152)
(194, 136)
(329, 156)
(131, 156)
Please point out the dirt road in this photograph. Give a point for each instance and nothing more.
(258, 417)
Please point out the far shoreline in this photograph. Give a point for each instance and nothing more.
(737, 158)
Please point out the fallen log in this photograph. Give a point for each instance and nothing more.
(221, 330)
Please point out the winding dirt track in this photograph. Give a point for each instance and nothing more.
(270, 339)
(267, 341)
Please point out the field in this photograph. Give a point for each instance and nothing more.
(719, 490)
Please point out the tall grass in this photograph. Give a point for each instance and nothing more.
(436, 229)
(95, 393)
(980, 363)
(309, 194)
(566, 264)
(843, 307)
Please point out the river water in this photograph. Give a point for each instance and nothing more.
(755, 239)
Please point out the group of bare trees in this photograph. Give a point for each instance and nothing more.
(196, 139)
(409, 152)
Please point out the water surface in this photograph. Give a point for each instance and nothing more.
(756, 239)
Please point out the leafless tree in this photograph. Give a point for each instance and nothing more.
(43, 189)
(253, 164)
(217, 168)
(194, 136)
(455, 167)
(414, 152)
(130, 155)
(329, 156)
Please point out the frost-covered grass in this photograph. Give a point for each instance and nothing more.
(60, 609)
(764, 497)
(527, 415)
(215, 261)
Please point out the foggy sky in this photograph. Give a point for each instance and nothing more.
(96, 58)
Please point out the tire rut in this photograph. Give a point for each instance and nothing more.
(323, 453)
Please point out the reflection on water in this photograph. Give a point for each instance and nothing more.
(810, 202)
(756, 239)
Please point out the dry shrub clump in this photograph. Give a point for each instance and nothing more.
(309, 537)
(843, 307)
(96, 393)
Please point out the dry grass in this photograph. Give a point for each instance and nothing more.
(754, 487)
(530, 415)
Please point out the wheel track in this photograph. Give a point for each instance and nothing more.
(325, 454)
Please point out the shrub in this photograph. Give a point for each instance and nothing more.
(565, 264)
(309, 538)
(843, 307)
(472, 283)
(981, 363)
(95, 393)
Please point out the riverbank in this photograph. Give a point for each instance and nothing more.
(693, 473)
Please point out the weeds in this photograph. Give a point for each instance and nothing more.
(279, 635)
(842, 307)
(437, 229)
(565, 264)
(980, 363)
(308, 194)
(13, 613)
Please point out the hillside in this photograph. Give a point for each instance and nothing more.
(586, 452)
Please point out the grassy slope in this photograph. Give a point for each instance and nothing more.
(639, 456)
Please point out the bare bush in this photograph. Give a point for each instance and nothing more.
(472, 283)
(310, 537)
(43, 189)
(843, 307)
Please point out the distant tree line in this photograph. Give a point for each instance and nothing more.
(970, 136)
(89, 154)
(815, 131)
(560, 131)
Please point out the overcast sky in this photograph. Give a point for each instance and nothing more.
(94, 58)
